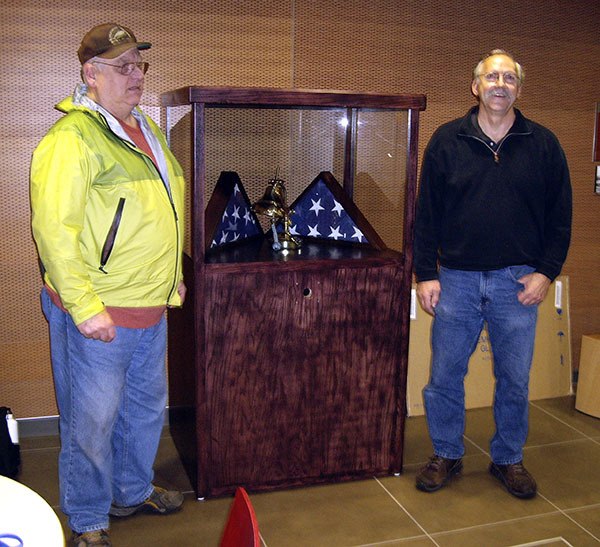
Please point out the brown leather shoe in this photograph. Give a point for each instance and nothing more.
(437, 473)
(97, 538)
(517, 480)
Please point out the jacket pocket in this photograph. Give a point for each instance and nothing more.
(109, 242)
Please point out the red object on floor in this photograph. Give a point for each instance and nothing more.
(241, 529)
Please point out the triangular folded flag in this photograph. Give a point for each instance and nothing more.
(229, 215)
(324, 211)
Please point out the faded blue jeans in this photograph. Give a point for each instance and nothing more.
(467, 300)
(111, 398)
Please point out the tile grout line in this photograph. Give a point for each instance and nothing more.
(562, 512)
(559, 443)
(586, 437)
(485, 452)
(558, 509)
(496, 523)
(563, 422)
(544, 542)
(406, 511)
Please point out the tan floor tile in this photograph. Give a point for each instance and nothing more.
(564, 409)
(473, 510)
(39, 471)
(589, 518)
(168, 469)
(522, 531)
(417, 444)
(568, 474)
(543, 428)
(198, 524)
(546, 429)
(473, 498)
(409, 542)
(351, 513)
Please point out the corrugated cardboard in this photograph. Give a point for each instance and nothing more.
(588, 383)
(551, 367)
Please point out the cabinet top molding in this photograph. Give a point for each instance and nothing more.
(290, 98)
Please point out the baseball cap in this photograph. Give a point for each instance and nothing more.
(108, 41)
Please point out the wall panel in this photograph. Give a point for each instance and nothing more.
(395, 46)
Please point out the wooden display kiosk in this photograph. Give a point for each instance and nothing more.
(289, 367)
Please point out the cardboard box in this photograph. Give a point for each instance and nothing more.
(551, 367)
(588, 383)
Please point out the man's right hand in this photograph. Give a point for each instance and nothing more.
(428, 293)
(99, 327)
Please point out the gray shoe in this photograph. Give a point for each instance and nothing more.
(161, 501)
(437, 473)
(97, 538)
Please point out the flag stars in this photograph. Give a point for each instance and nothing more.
(236, 213)
(312, 231)
(335, 234)
(316, 206)
(357, 234)
(337, 208)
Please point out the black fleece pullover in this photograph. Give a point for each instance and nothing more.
(484, 205)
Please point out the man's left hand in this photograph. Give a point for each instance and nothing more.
(535, 290)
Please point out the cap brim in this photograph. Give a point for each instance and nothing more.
(114, 52)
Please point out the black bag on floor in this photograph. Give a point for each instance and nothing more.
(10, 453)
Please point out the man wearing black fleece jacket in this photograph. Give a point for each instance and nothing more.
(492, 231)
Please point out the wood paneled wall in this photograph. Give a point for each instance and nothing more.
(411, 46)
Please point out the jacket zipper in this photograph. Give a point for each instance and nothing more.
(137, 150)
(496, 153)
(109, 242)
(177, 251)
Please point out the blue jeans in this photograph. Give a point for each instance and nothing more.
(111, 398)
(467, 300)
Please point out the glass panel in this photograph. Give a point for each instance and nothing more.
(380, 178)
(179, 130)
(260, 143)
(297, 144)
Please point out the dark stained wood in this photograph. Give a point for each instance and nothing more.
(300, 98)
(350, 152)
(406, 284)
(195, 276)
(184, 377)
(300, 376)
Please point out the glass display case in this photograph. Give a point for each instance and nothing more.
(288, 366)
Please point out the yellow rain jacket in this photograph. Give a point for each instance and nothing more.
(107, 222)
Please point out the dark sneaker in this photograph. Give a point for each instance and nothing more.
(437, 473)
(161, 501)
(517, 480)
(97, 538)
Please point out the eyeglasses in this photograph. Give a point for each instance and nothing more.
(128, 68)
(509, 78)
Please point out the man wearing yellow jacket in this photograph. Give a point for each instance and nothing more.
(107, 218)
